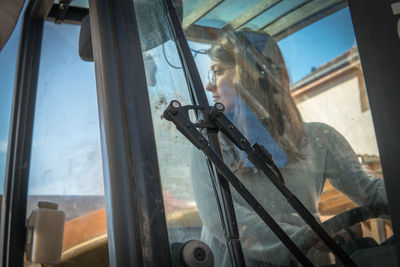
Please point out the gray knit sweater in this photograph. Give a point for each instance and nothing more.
(327, 155)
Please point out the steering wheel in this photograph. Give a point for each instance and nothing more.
(346, 219)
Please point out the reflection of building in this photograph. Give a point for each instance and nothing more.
(335, 94)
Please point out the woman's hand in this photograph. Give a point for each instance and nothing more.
(342, 237)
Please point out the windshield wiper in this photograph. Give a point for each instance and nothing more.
(215, 121)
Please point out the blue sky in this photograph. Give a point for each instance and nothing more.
(315, 45)
(66, 138)
(7, 70)
(67, 105)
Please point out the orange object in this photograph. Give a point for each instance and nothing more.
(84, 228)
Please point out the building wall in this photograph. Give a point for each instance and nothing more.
(338, 103)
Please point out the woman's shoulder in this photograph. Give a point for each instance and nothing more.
(320, 130)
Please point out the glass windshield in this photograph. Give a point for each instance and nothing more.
(289, 76)
(294, 84)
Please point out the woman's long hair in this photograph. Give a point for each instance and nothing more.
(261, 81)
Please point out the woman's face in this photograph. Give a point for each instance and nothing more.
(222, 89)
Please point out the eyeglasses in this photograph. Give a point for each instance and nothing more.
(212, 78)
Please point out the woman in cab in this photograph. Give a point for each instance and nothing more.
(248, 75)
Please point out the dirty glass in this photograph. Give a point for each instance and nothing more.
(166, 82)
(291, 80)
(66, 166)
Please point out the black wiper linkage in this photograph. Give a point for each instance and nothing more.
(215, 120)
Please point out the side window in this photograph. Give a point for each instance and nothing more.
(8, 59)
(66, 165)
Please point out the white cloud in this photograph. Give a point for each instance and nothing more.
(3, 146)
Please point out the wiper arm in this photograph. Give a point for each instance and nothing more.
(215, 120)
(179, 116)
